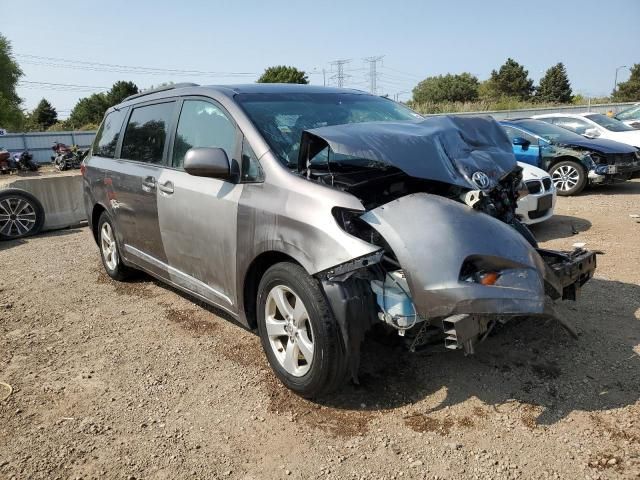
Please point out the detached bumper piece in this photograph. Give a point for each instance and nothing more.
(462, 331)
(567, 271)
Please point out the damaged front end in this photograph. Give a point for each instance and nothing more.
(440, 198)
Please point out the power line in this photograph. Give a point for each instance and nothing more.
(112, 67)
(418, 77)
(63, 84)
(373, 73)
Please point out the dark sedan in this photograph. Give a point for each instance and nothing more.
(572, 160)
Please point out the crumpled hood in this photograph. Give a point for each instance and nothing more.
(601, 145)
(448, 149)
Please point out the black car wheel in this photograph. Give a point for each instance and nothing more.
(21, 214)
(569, 177)
(298, 331)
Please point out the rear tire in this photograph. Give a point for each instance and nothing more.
(569, 177)
(109, 251)
(299, 333)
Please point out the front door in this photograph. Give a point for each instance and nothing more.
(528, 153)
(198, 215)
(135, 180)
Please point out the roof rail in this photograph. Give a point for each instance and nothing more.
(160, 89)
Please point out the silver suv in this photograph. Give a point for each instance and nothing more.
(312, 213)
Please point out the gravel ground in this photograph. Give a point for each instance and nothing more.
(133, 380)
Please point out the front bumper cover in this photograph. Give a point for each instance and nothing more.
(432, 238)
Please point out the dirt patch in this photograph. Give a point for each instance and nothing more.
(138, 287)
(190, 320)
(419, 422)
(529, 416)
(334, 421)
(546, 371)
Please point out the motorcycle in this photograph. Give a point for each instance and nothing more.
(67, 157)
(5, 162)
(24, 161)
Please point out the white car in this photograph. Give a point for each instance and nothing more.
(594, 125)
(630, 116)
(538, 205)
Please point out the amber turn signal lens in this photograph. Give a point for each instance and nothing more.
(489, 278)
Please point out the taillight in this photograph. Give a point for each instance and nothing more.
(83, 168)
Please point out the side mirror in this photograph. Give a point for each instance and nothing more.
(207, 162)
(523, 142)
(591, 133)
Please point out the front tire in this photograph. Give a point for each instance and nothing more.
(109, 251)
(299, 333)
(21, 214)
(569, 177)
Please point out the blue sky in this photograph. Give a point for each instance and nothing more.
(417, 39)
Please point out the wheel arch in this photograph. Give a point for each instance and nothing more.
(252, 277)
(97, 210)
(568, 158)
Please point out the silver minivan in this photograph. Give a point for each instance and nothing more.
(312, 213)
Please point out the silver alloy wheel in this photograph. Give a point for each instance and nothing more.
(565, 177)
(17, 216)
(289, 330)
(108, 246)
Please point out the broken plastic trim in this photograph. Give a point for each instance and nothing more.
(335, 273)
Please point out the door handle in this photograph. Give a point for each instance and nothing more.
(166, 187)
(149, 184)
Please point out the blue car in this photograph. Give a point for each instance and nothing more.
(572, 160)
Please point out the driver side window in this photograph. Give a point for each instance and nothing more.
(514, 132)
(202, 124)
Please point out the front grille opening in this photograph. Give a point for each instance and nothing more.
(533, 186)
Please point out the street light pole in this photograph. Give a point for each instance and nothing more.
(615, 80)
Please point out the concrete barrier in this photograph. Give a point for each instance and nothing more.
(60, 196)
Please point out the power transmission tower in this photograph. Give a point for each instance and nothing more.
(373, 72)
(339, 76)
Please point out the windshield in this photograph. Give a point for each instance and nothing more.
(629, 113)
(282, 117)
(610, 124)
(549, 131)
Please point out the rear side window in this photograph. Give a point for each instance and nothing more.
(106, 139)
(202, 124)
(146, 133)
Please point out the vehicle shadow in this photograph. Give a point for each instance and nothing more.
(7, 244)
(559, 226)
(530, 361)
(624, 188)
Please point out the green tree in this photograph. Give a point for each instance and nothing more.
(283, 74)
(90, 110)
(11, 115)
(119, 91)
(447, 88)
(629, 91)
(512, 80)
(44, 115)
(555, 86)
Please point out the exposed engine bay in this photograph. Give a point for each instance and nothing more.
(439, 198)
